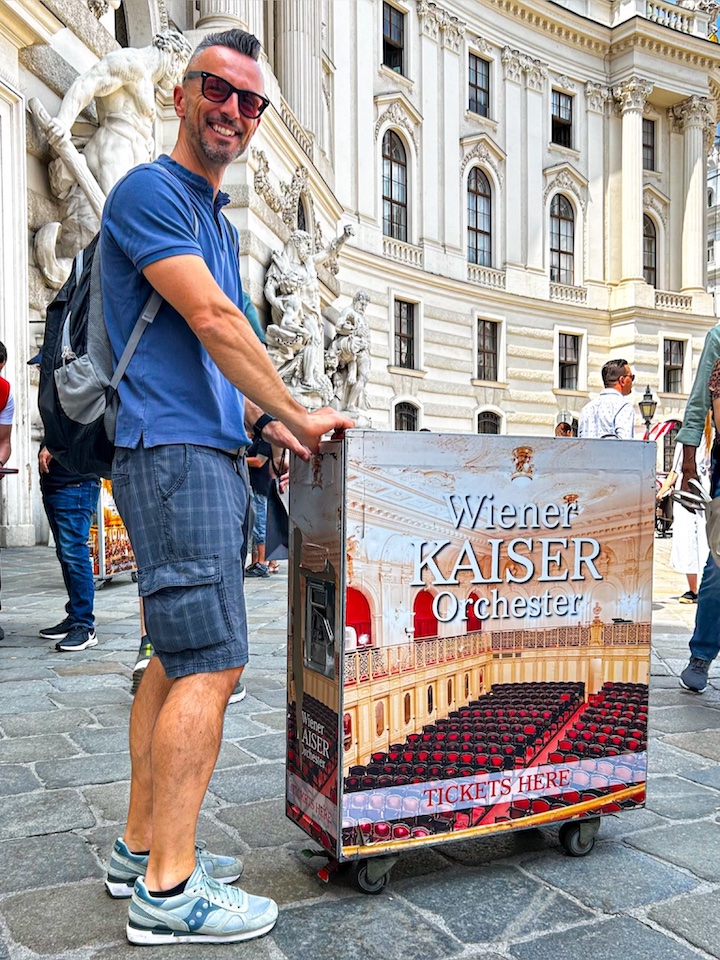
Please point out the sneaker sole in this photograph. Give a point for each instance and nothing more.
(123, 889)
(142, 936)
(59, 635)
(691, 689)
(137, 676)
(237, 697)
(90, 642)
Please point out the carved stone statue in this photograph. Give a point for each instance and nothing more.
(295, 338)
(123, 86)
(347, 359)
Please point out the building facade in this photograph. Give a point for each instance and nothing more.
(526, 182)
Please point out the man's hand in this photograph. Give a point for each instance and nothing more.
(44, 458)
(320, 422)
(56, 133)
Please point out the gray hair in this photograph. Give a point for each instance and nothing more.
(238, 40)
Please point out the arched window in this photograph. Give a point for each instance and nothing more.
(562, 240)
(488, 422)
(357, 615)
(649, 251)
(406, 416)
(424, 622)
(394, 187)
(479, 198)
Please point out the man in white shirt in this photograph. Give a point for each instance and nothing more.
(611, 414)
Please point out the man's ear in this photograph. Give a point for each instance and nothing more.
(179, 100)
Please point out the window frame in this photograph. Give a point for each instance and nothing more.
(558, 251)
(475, 230)
(565, 364)
(561, 127)
(566, 330)
(649, 145)
(489, 415)
(484, 324)
(682, 367)
(389, 43)
(407, 405)
(648, 270)
(471, 87)
(398, 225)
(400, 337)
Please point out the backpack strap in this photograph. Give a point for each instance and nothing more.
(149, 312)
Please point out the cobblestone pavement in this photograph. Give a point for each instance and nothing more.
(649, 891)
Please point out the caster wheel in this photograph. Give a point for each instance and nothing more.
(365, 884)
(134, 576)
(572, 842)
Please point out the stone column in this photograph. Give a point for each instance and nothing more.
(536, 78)
(515, 201)
(432, 101)
(631, 96)
(220, 15)
(299, 60)
(596, 97)
(694, 115)
(452, 31)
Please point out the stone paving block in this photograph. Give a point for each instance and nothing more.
(22, 690)
(79, 771)
(22, 669)
(262, 824)
(685, 719)
(15, 779)
(96, 681)
(666, 756)
(64, 919)
(694, 846)
(594, 879)
(237, 726)
(694, 919)
(615, 826)
(91, 698)
(112, 716)
(21, 706)
(276, 720)
(243, 785)
(262, 949)
(494, 847)
(32, 749)
(233, 756)
(679, 799)
(105, 740)
(487, 904)
(609, 940)
(45, 861)
(110, 800)
(706, 743)
(364, 929)
(51, 811)
(271, 746)
(89, 669)
(709, 777)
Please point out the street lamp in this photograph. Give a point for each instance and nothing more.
(647, 410)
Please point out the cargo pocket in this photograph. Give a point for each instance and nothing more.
(185, 604)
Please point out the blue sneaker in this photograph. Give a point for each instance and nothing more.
(125, 867)
(207, 911)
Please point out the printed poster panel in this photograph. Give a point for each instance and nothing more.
(110, 549)
(497, 639)
(315, 644)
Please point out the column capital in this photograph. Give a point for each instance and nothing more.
(597, 95)
(517, 63)
(218, 15)
(694, 112)
(632, 93)
(438, 24)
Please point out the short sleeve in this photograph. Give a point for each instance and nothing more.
(8, 411)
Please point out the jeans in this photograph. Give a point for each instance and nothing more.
(705, 641)
(69, 511)
(259, 533)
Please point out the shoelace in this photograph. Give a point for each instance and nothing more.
(223, 893)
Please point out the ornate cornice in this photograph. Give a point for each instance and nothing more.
(517, 63)
(486, 152)
(564, 83)
(565, 179)
(438, 24)
(398, 115)
(481, 44)
(597, 95)
(632, 93)
(657, 203)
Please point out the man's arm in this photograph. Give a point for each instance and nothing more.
(5, 448)
(99, 81)
(187, 284)
(698, 402)
(689, 468)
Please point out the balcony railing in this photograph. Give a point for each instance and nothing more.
(486, 276)
(373, 663)
(402, 252)
(567, 293)
(697, 22)
(665, 300)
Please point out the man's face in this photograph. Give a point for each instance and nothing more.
(626, 381)
(218, 131)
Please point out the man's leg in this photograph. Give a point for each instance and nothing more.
(705, 641)
(72, 509)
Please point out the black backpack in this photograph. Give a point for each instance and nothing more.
(78, 380)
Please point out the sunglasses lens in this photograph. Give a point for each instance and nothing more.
(251, 105)
(216, 89)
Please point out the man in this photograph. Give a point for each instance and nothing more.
(69, 500)
(180, 483)
(705, 641)
(7, 412)
(611, 414)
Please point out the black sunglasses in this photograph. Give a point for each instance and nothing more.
(217, 90)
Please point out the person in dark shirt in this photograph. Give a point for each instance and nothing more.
(69, 500)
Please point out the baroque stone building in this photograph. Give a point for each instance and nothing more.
(525, 178)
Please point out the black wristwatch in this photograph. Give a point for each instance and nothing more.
(260, 425)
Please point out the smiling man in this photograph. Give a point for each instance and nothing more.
(198, 383)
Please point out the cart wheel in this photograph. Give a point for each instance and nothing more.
(365, 884)
(99, 584)
(572, 841)
(134, 576)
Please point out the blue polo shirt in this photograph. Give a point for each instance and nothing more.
(172, 391)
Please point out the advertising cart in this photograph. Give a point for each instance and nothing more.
(469, 640)
(110, 549)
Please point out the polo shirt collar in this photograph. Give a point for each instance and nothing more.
(197, 183)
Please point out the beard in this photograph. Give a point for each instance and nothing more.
(221, 153)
